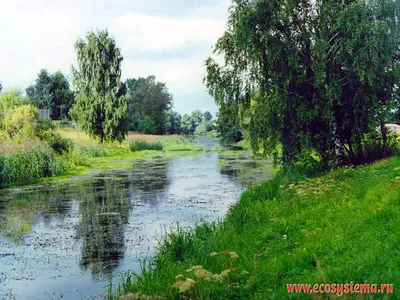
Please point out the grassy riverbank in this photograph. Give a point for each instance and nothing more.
(339, 227)
(33, 160)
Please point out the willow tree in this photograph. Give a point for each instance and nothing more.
(316, 76)
(101, 103)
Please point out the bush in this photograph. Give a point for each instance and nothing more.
(42, 126)
(18, 118)
(9, 101)
(143, 145)
(59, 144)
(29, 165)
(147, 126)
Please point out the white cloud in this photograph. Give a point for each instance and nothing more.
(41, 34)
(159, 32)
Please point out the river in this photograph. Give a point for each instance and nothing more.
(64, 240)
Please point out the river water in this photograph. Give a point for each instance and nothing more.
(64, 240)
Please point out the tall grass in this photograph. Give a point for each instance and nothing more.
(342, 224)
(93, 150)
(29, 165)
(144, 145)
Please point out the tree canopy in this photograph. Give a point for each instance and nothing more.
(314, 76)
(52, 91)
(101, 102)
(148, 98)
(207, 116)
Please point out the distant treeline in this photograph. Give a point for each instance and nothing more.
(149, 104)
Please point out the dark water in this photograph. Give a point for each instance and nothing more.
(64, 240)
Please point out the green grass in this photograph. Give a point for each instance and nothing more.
(144, 145)
(342, 226)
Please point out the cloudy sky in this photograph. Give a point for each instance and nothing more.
(167, 38)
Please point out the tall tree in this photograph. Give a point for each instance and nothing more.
(207, 116)
(52, 91)
(197, 117)
(315, 75)
(148, 98)
(188, 125)
(174, 122)
(101, 102)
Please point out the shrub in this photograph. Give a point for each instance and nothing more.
(18, 118)
(78, 159)
(147, 126)
(42, 126)
(59, 144)
(10, 100)
(143, 145)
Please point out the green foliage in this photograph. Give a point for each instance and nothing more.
(92, 151)
(147, 126)
(173, 122)
(52, 91)
(188, 126)
(29, 165)
(207, 116)
(3, 135)
(143, 145)
(204, 127)
(42, 127)
(197, 117)
(148, 98)
(101, 104)
(20, 120)
(10, 100)
(178, 245)
(58, 143)
(309, 76)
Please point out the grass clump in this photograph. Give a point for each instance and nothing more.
(30, 165)
(145, 145)
(340, 226)
(93, 150)
(178, 244)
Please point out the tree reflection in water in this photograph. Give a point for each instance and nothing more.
(104, 210)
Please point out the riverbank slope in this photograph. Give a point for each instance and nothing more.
(340, 227)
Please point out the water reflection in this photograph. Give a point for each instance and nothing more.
(149, 175)
(20, 208)
(104, 210)
(105, 207)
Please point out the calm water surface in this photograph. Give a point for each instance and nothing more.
(64, 240)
